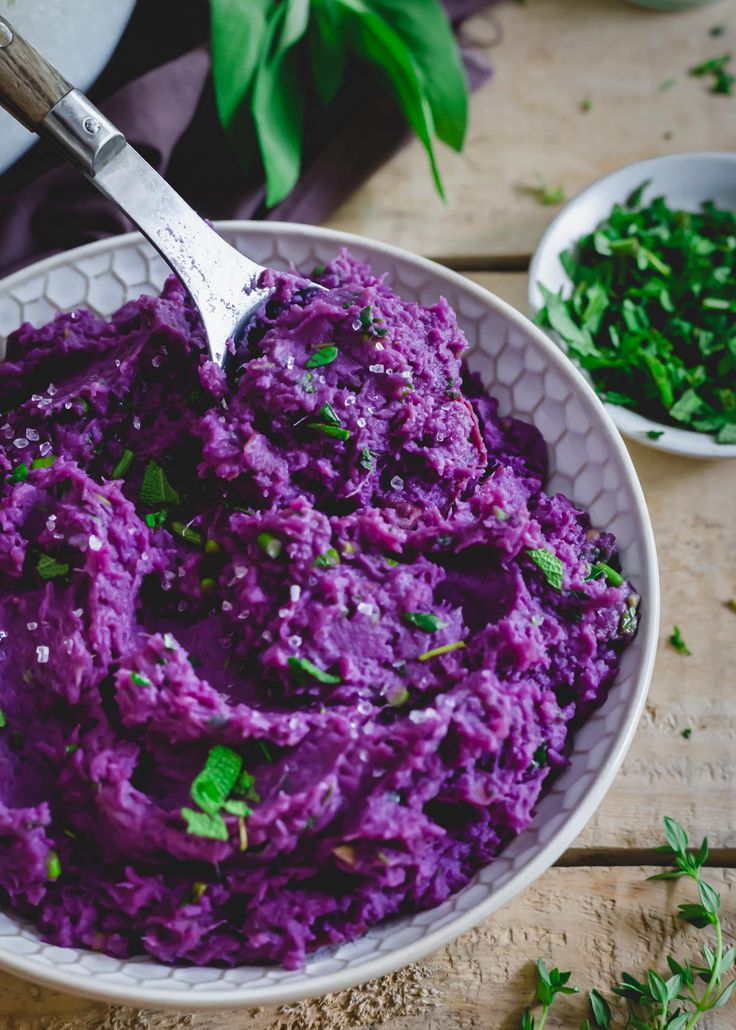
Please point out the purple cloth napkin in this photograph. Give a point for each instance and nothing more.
(157, 90)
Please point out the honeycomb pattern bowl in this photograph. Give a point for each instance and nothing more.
(533, 380)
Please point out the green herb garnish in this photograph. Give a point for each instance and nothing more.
(675, 638)
(329, 416)
(265, 751)
(124, 463)
(651, 316)
(445, 649)
(686, 733)
(723, 81)
(140, 680)
(366, 460)
(156, 489)
(269, 544)
(545, 194)
(211, 791)
(366, 317)
(599, 568)
(328, 560)
(335, 431)
(302, 666)
(3, 720)
(654, 434)
(540, 759)
(50, 568)
(44, 463)
(550, 565)
(19, 473)
(322, 356)
(185, 532)
(586, 105)
(425, 621)
(53, 865)
(155, 519)
(549, 985)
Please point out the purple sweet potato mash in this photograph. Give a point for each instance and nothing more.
(286, 652)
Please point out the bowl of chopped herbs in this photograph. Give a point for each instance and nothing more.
(636, 279)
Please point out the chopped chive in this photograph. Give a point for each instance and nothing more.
(53, 865)
(329, 415)
(186, 533)
(425, 621)
(44, 463)
(322, 356)
(126, 460)
(327, 560)
(140, 680)
(269, 544)
(366, 317)
(302, 666)
(613, 578)
(264, 749)
(335, 431)
(445, 649)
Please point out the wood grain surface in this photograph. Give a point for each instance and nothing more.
(527, 125)
(593, 913)
(29, 85)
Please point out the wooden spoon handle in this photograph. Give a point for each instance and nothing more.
(29, 85)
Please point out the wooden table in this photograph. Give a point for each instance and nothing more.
(593, 913)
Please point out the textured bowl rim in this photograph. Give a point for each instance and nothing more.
(685, 442)
(548, 853)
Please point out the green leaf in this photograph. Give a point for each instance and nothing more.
(709, 898)
(557, 312)
(675, 638)
(549, 564)
(327, 51)
(725, 995)
(657, 987)
(377, 41)
(302, 666)
(425, 621)
(634, 198)
(238, 808)
(337, 432)
(204, 824)
(727, 434)
(687, 405)
(322, 356)
(613, 578)
(44, 463)
(3, 719)
(366, 460)
(600, 1009)
(156, 489)
(238, 31)
(527, 1020)
(679, 1021)
(696, 915)
(212, 786)
(269, 544)
(327, 560)
(278, 106)
(328, 414)
(296, 21)
(53, 865)
(19, 473)
(424, 27)
(50, 568)
(675, 835)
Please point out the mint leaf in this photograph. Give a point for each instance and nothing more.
(50, 568)
(156, 489)
(211, 787)
(204, 824)
(549, 564)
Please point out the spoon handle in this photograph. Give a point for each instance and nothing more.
(29, 85)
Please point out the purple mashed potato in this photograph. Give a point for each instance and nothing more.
(260, 567)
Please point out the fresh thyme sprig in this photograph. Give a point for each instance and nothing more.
(675, 1000)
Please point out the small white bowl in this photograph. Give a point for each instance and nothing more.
(686, 180)
(671, 5)
(588, 461)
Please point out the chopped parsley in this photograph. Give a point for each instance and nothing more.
(303, 667)
(651, 315)
(155, 519)
(156, 488)
(124, 463)
(546, 194)
(50, 568)
(686, 733)
(549, 564)
(322, 356)
(445, 649)
(269, 544)
(425, 621)
(613, 578)
(675, 638)
(654, 434)
(327, 560)
(540, 758)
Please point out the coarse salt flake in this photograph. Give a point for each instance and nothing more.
(32, 434)
(95, 544)
(45, 449)
(397, 483)
(376, 368)
(31, 626)
(365, 608)
(20, 443)
(361, 423)
(295, 592)
(42, 654)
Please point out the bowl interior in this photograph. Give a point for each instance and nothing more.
(531, 379)
(686, 180)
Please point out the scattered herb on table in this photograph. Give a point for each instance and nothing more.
(675, 638)
(546, 194)
(723, 81)
(686, 733)
(266, 53)
(651, 316)
(674, 999)
(731, 603)
(586, 105)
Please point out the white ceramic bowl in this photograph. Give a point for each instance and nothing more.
(532, 379)
(671, 5)
(686, 180)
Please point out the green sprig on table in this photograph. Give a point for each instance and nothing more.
(676, 999)
(272, 59)
(652, 315)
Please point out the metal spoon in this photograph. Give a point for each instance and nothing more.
(221, 281)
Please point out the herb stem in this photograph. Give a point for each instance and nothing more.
(543, 1017)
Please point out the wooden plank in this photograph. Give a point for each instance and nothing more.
(527, 124)
(595, 922)
(693, 509)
